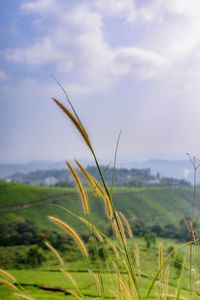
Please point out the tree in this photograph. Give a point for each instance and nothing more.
(35, 256)
(150, 239)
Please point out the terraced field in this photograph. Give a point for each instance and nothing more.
(152, 205)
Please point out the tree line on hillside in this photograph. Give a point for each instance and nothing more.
(123, 177)
(22, 243)
(25, 232)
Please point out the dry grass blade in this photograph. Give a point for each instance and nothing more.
(166, 282)
(69, 276)
(131, 283)
(98, 190)
(116, 231)
(102, 237)
(120, 235)
(96, 281)
(96, 187)
(55, 252)
(114, 294)
(126, 223)
(160, 258)
(119, 229)
(8, 284)
(72, 280)
(76, 123)
(125, 288)
(72, 233)
(115, 251)
(23, 297)
(81, 189)
(171, 296)
(95, 231)
(136, 253)
(107, 206)
(7, 275)
(118, 275)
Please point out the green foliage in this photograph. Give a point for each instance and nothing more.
(170, 250)
(150, 239)
(101, 250)
(178, 261)
(35, 256)
(21, 257)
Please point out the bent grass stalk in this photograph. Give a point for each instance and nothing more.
(55, 253)
(8, 284)
(126, 224)
(22, 297)
(81, 245)
(7, 275)
(81, 190)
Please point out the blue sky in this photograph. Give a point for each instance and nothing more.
(130, 66)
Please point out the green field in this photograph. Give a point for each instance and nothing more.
(37, 282)
(151, 205)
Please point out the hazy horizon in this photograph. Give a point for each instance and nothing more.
(102, 160)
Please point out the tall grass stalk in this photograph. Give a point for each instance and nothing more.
(79, 125)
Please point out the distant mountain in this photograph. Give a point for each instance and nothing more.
(7, 170)
(123, 177)
(180, 169)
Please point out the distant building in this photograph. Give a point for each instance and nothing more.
(50, 181)
(8, 180)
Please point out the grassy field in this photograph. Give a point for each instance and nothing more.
(152, 205)
(40, 282)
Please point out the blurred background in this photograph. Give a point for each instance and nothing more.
(130, 66)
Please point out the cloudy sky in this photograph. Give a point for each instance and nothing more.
(127, 65)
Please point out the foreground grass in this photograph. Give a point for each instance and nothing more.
(56, 280)
(35, 281)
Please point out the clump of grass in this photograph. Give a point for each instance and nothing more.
(129, 287)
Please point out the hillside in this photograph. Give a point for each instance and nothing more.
(153, 206)
(123, 178)
(180, 169)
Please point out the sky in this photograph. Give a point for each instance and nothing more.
(130, 66)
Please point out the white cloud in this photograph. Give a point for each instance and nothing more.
(146, 64)
(183, 7)
(121, 8)
(3, 75)
(42, 52)
(76, 43)
(40, 6)
(103, 65)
